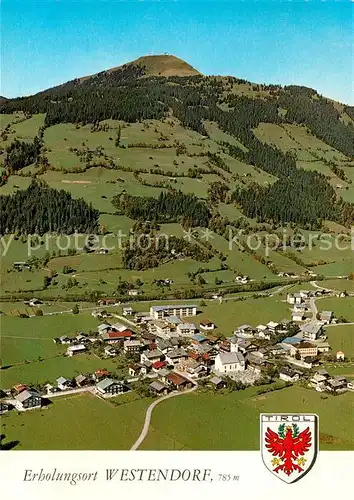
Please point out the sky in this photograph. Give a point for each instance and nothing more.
(47, 42)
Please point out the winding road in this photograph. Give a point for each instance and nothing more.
(149, 413)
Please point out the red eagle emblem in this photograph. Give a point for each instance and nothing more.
(290, 446)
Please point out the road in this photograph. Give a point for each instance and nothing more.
(149, 413)
(313, 307)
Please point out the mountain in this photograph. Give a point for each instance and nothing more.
(296, 145)
(164, 65)
(157, 65)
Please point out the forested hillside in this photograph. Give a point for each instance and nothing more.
(134, 94)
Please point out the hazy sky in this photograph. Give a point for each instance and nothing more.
(48, 42)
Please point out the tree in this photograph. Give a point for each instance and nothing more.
(119, 133)
(75, 309)
(46, 281)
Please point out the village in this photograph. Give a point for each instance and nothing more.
(173, 348)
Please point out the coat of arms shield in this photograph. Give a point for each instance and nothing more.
(289, 444)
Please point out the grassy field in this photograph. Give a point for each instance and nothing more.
(198, 421)
(341, 307)
(119, 427)
(339, 285)
(29, 338)
(341, 338)
(230, 422)
(48, 370)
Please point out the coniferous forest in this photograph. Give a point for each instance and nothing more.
(40, 209)
(172, 206)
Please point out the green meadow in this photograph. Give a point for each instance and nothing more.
(341, 338)
(231, 422)
(94, 424)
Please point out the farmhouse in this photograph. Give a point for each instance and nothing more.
(336, 384)
(63, 383)
(109, 387)
(217, 383)
(128, 311)
(21, 265)
(110, 351)
(100, 374)
(116, 335)
(82, 380)
(158, 388)
(288, 375)
(294, 298)
(34, 302)
(160, 312)
(104, 327)
(75, 349)
(226, 362)
(177, 381)
(28, 400)
(326, 317)
(245, 331)
(205, 324)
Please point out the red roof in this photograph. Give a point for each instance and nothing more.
(158, 364)
(177, 379)
(20, 387)
(193, 355)
(119, 335)
(102, 372)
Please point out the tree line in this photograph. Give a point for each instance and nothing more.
(40, 209)
(170, 206)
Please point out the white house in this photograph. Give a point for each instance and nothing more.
(186, 329)
(245, 331)
(205, 324)
(288, 375)
(128, 311)
(326, 317)
(340, 356)
(175, 356)
(312, 330)
(297, 315)
(63, 383)
(228, 362)
(152, 355)
(75, 349)
(272, 326)
(294, 298)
